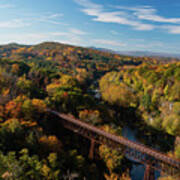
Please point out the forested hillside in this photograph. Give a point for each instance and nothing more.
(142, 92)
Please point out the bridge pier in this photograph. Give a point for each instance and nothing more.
(91, 150)
(149, 173)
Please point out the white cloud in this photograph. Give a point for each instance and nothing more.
(2, 6)
(148, 13)
(114, 32)
(136, 17)
(15, 23)
(48, 18)
(119, 17)
(77, 31)
(136, 40)
(56, 15)
(86, 3)
(74, 40)
(19, 23)
(108, 42)
(153, 17)
(142, 27)
(58, 33)
(172, 29)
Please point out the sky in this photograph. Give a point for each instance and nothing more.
(120, 25)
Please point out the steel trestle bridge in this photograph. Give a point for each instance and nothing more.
(152, 159)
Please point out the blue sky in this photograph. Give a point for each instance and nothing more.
(152, 25)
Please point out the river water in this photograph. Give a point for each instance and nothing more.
(137, 171)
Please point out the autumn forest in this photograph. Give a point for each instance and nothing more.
(105, 89)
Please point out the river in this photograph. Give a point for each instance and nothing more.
(137, 171)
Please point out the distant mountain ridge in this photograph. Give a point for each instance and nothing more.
(140, 53)
(7, 48)
(149, 54)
